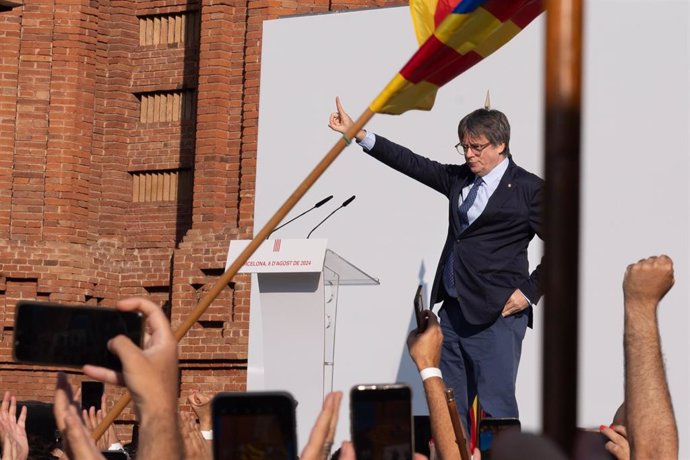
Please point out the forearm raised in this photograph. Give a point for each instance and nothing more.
(439, 417)
(159, 437)
(651, 421)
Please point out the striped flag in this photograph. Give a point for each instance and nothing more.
(428, 14)
(454, 41)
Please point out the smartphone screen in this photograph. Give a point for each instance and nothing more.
(91, 394)
(256, 425)
(419, 309)
(591, 444)
(135, 437)
(114, 455)
(490, 428)
(381, 421)
(64, 335)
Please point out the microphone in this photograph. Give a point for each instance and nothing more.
(317, 205)
(345, 203)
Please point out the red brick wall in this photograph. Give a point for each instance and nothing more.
(76, 224)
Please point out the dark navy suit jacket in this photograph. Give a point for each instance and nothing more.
(490, 256)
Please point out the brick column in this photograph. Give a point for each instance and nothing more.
(115, 117)
(31, 125)
(68, 165)
(219, 113)
(9, 68)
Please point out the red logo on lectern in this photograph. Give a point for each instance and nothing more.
(276, 245)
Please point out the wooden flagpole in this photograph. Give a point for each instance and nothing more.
(562, 219)
(260, 237)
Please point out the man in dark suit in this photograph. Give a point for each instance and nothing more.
(483, 274)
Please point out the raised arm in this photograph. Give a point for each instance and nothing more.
(151, 376)
(429, 172)
(651, 426)
(425, 350)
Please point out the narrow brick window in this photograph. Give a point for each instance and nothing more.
(149, 186)
(167, 106)
(176, 29)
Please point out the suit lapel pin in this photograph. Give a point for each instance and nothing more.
(510, 185)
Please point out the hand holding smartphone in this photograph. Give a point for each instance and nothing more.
(65, 335)
(419, 308)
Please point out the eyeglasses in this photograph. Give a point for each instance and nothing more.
(476, 148)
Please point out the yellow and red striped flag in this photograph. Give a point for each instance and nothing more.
(428, 14)
(455, 35)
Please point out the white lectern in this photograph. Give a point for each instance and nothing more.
(298, 281)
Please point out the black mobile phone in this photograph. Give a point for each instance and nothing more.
(134, 443)
(419, 308)
(590, 444)
(257, 425)
(381, 421)
(490, 428)
(68, 335)
(114, 455)
(91, 394)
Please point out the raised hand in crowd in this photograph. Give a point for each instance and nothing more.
(425, 346)
(151, 376)
(195, 446)
(77, 441)
(92, 418)
(617, 444)
(323, 432)
(651, 425)
(617, 435)
(201, 405)
(425, 350)
(15, 445)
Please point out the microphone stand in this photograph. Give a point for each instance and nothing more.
(345, 203)
(295, 218)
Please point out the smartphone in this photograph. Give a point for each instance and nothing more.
(381, 421)
(256, 425)
(590, 444)
(91, 394)
(490, 428)
(135, 434)
(55, 334)
(419, 308)
(114, 455)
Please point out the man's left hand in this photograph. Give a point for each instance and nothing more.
(515, 304)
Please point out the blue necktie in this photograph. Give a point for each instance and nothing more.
(468, 202)
(449, 275)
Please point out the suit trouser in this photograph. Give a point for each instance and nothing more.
(482, 359)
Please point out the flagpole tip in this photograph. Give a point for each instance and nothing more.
(487, 101)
